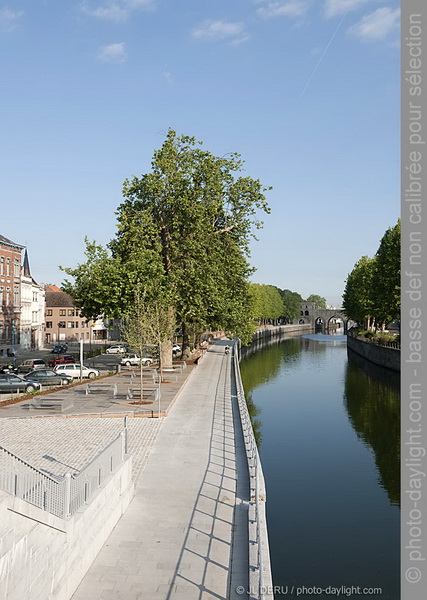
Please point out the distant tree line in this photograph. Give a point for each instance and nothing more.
(372, 290)
(270, 304)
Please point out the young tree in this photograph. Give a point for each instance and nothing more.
(148, 323)
(186, 226)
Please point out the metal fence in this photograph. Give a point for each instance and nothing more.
(60, 496)
(257, 489)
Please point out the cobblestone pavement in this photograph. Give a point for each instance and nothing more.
(57, 445)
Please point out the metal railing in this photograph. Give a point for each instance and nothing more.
(60, 496)
(257, 487)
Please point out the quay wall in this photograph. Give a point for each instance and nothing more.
(44, 557)
(380, 355)
(277, 330)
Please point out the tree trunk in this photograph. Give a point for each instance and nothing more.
(141, 380)
(166, 354)
(185, 340)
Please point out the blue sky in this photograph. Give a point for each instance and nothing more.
(307, 91)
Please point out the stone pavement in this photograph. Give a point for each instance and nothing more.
(179, 539)
(102, 402)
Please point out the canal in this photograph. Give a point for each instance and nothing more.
(328, 428)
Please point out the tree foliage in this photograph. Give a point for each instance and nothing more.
(267, 303)
(357, 297)
(183, 232)
(291, 304)
(372, 290)
(319, 300)
(386, 291)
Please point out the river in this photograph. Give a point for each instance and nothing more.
(328, 428)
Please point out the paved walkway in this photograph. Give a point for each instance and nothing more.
(179, 538)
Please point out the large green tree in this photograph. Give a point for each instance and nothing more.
(184, 229)
(357, 296)
(266, 302)
(386, 291)
(291, 305)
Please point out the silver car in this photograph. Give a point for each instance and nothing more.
(14, 383)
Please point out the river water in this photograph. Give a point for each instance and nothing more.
(329, 427)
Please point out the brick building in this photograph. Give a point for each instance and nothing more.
(10, 295)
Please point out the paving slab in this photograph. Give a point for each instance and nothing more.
(179, 538)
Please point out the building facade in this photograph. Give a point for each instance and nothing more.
(64, 323)
(32, 310)
(10, 295)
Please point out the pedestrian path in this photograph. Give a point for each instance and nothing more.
(179, 539)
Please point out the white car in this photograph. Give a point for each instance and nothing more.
(115, 350)
(74, 371)
(130, 360)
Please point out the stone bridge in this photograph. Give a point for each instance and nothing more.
(321, 316)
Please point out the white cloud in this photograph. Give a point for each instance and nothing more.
(114, 53)
(219, 30)
(377, 25)
(293, 8)
(115, 10)
(8, 18)
(334, 8)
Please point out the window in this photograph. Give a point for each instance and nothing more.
(1, 265)
(61, 323)
(62, 313)
(77, 324)
(16, 295)
(35, 297)
(49, 312)
(70, 324)
(16, 268)
(7, 267)
(71, 313)
(48, 324)
(1, 295)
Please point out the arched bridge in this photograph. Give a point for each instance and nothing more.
(324, 316)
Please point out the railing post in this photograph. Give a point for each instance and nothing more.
(67, 495)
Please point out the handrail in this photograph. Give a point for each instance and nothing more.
(60, 496)
(257, 487)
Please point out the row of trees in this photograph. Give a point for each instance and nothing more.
(372, 291)
(270, 303)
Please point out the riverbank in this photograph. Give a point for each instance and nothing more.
(379, 355)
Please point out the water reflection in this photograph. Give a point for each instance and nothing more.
(372, 399)
(330, 465)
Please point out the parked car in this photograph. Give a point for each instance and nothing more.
(48, 377)
(133, 359)
(117, 349)
(14, 383)
(73, 371)
(61, 360)
(59, 349)
(32, 364)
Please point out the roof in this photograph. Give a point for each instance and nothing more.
(5, 240)
(54, 299)
(26, 265)
(52, 288)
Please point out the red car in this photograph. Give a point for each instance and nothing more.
(62, 359)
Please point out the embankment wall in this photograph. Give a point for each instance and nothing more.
(380, 355)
